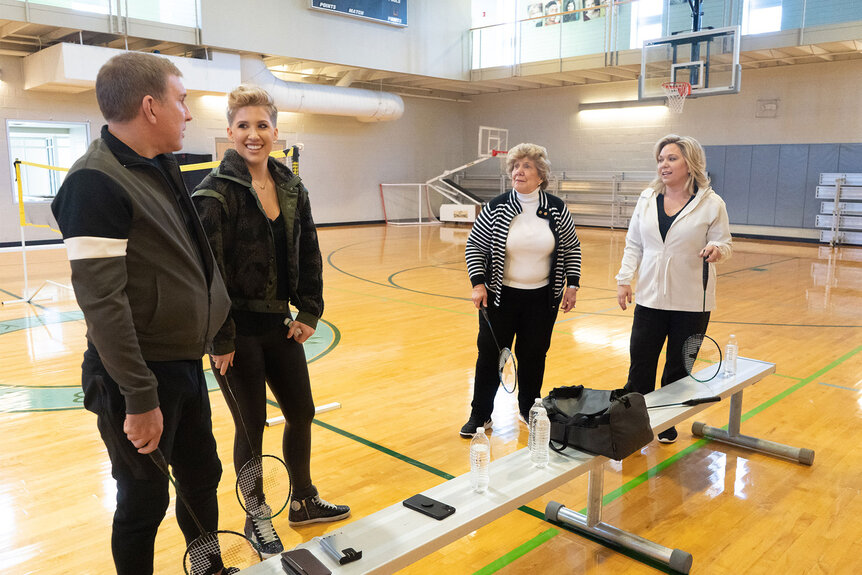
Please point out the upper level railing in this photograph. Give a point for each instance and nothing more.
(176, 12)
(613, 26)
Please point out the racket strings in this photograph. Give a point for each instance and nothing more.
(260, 475)
(263, 487)
(219, 552)
(250, 484)
(508, 370)
(701, 351)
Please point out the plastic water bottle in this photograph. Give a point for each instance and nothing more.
(541, 433)
(730, 354)
(480, 460)
(536, 406)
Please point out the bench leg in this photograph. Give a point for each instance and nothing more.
(591, 524)
(733, 437)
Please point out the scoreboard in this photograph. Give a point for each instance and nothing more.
(392, 12)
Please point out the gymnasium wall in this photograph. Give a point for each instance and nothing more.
(817, 109)
(343, 163)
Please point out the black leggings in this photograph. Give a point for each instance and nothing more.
(650, 328)
(527, 317)
(272, 359)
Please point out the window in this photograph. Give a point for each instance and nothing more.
(47, 143)
(646, 21)
(493, 33)
(759, 16)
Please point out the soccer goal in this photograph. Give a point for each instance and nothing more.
(407, 204)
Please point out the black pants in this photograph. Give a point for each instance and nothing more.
(527, 317)
(271, 358)
(650, 328)
(187, 443)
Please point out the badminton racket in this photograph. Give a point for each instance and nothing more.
(688, 402)
(213, 552)
(701, 347)
(507, 369)
(263, 482)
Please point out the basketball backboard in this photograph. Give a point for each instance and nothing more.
(492, 141)
(708, 60)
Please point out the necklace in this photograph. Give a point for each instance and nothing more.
(262, 188)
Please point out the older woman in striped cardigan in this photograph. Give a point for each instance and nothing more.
(524, 262)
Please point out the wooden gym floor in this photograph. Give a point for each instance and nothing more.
(398, 351)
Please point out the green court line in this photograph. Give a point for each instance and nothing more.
(787, 376)
(649, 561)
(518, 552)
(653, 471)
(14, 295)
(801, 384)
(385, 450)
(336, 338)
(377, 446)
(612, 495)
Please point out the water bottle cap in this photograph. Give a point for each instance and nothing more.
(480, 430)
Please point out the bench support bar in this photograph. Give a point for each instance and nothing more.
(676, 559)
(733, 437)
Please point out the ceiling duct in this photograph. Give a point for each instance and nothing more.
(365, 105)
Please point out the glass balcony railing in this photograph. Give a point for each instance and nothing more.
(175, 12)
(614, 26)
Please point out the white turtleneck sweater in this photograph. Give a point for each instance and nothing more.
(529, 246)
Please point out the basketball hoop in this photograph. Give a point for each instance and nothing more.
(676, 93)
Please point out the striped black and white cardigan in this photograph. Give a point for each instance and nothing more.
(486, 244)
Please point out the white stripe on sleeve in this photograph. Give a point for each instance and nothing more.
(91, 247)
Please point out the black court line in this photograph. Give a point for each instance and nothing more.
(756, 268)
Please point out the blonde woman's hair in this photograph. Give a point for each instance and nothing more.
(246, 95)
(536, 154)
(124, 81)
(695, 159)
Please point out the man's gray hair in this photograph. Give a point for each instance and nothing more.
(124, 81)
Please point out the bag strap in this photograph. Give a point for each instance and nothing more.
(566, 392)
(560, 449)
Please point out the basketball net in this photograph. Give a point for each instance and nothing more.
(676, 93)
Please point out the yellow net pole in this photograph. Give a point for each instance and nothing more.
(21, 218)
(21, 214)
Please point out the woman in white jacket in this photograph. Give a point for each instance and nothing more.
(678, 222)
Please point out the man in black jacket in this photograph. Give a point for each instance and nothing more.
(152, 299)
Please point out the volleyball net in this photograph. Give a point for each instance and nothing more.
(42, 176)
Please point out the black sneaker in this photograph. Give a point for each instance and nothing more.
(263, 535)
(469, 429)
(668, 435)
(313, 509)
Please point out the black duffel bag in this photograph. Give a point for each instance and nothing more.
(613, 423)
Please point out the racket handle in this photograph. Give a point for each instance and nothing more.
(705, 273)
(699, 400)
(159, 459)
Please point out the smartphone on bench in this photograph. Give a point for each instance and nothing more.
(430, 507)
